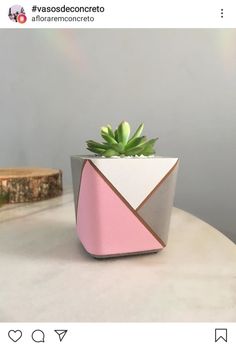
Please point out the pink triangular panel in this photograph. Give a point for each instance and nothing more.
(105, 224)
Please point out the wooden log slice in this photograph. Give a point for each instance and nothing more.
(29, 184)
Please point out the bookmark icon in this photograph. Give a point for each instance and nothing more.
(221, 334)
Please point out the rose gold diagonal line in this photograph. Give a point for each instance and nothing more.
(158, 185)
(127, 204)
(77, 201)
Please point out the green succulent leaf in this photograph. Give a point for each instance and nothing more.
(104, 129)
(135, 142)
(140, 149)
(91, 144)
(148, 150)
(110, 131)
(96, 150)
(151, 142)
(116, 135)
(118, 147)
(110, 152)
(108, 138)
(123, 132)
(148, 147)
(137, 133)
(107, 130)
(134, 151)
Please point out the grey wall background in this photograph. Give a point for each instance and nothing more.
(59, 86)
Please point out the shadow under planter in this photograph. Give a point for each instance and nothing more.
(123, 205)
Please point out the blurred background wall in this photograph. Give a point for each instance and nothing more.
(57, 87)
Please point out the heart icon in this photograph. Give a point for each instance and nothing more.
(15, 335)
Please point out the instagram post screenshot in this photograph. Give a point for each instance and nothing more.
(117, 174)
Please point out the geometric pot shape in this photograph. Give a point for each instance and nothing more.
(123, 205)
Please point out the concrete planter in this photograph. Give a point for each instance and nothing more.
(123, 205)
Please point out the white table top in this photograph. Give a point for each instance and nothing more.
(45, 274)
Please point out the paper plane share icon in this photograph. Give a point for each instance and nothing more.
(61, 334)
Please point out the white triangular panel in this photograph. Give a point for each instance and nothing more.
(134, 178)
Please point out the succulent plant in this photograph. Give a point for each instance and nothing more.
(119, 143)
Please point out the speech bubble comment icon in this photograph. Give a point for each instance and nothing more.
(38, 336)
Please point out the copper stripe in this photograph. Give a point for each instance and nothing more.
(127, 204)
(158, 185)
